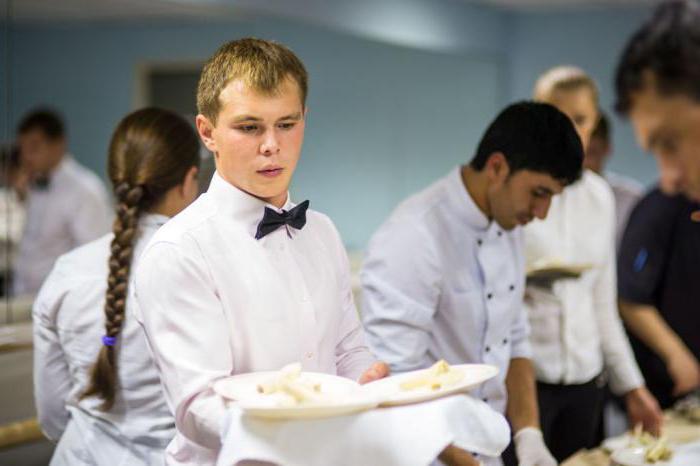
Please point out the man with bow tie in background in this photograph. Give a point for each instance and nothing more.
(244, 279)
(67, 204)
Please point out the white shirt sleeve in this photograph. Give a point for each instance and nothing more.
(617, 354)
(188, 333)
(52, 382)
(352, 354)
(401, 281)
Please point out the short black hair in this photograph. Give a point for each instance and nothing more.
(9, 157)
(533, 136)
(667, 45)
(602, 129)
(44, 119)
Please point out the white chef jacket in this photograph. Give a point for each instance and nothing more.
(627, 193)
(68, 325)
(71, 211)
(441, 280)
(576, 328)
(214, 301)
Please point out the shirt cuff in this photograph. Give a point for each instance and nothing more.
(625, 380)
(521, 349)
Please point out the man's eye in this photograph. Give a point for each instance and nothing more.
(668, 146)
(286, 125)
(248, 128)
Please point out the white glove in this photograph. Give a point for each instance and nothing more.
(531, 450)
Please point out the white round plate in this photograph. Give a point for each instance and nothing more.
(389, 392)
(683, 455)
(612, 444)
(243, 388)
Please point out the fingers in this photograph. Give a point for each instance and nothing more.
(377, 371)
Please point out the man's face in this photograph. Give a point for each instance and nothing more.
(669, 127)
(257, 138)
(39, 153)
(596, 154)
(521, 197)
(580, 106)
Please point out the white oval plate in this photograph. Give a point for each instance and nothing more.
(389, 392)
(243, 388)
(684, 455)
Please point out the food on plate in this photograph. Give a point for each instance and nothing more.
(655, 449)
(290, 388)
(689, 407)
(439, 375)
(658, 451)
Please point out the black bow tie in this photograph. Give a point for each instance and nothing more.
(41, 183)
(272, 220)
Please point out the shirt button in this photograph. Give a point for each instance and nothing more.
(505, 341)
(500, 233)
(489, 296)
(479, 242)
(485, 400)
(309, 355)
(487, 349)
(511, 287)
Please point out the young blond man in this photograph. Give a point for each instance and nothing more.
(244, 279)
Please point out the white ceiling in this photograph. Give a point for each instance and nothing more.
(52, 10)
(560, 4)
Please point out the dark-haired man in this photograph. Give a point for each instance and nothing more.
(658, 88)
(444, 276)
(67, 204)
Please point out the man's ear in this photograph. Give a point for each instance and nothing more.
(205, 128)
(497, 168)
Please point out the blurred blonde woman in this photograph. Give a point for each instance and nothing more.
(577, 337)
(97, 391)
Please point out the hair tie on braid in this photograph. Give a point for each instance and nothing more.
(108, 341)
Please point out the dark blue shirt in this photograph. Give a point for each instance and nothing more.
(659, 265)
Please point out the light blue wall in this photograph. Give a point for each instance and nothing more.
(384, 120)
(593, 40)
(390, 110)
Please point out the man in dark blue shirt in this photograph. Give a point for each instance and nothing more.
(659, 292)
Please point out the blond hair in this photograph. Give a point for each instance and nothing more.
(262, 65)
(562, 78)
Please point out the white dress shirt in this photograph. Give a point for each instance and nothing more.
(576, 328)
(12, 219)
(627, 192)
(72, 210)
(68, 325)
(441, 281)
(214, 302)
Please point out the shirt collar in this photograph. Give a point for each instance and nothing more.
(462, 204)
(151, 220)
(240, 206)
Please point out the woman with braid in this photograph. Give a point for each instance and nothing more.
(97, 391)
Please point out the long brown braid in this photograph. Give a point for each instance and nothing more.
(151, 151)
